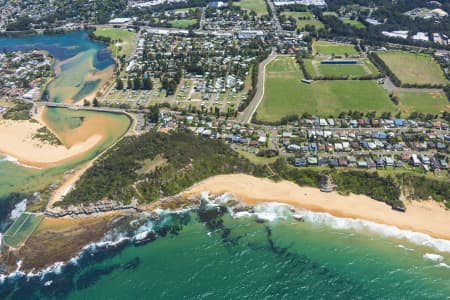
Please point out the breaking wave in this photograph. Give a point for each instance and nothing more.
(279, 211)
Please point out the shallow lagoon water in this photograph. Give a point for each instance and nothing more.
(79, 62)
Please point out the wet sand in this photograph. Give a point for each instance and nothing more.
(17, 141)
(427, 217)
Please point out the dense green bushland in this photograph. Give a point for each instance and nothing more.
(156, 165)
(422, 187)
(184, 159)
(378, 187)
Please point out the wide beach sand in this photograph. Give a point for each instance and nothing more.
(427, 217)
(17, 141)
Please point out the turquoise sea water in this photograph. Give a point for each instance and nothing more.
(204, 255)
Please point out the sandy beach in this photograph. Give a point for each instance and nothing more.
(427, 217)
(17, 141)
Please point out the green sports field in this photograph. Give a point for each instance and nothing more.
(355, 23)
(308, 19)
(258, 6)
(327, 48)
(413, 67)
(125, 36)
(342, 70)
(185, 23)
(364, 67)
(285, 94)
(21, 229)
(424, 102)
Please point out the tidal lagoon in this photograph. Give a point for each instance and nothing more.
(81, 67)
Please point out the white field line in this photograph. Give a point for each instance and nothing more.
(17, 230)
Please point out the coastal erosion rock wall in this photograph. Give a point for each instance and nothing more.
(94, 208)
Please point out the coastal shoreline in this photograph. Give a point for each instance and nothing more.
(20, 146)
(428, 217)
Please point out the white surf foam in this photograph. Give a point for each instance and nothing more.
(417, 238)
(16, 161)
(443, 265)
(275, 211)
(18, 209)
(433, 257)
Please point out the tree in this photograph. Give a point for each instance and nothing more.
(95, 102)
(119, 84)
(86, 102)
(154, 114)
(137, 83)
(147, 84)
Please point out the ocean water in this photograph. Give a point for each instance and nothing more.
(212, 254)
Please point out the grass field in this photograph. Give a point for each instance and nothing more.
(185, 10)
(354, 23)
(258, 6)
(126, 37)
(365, 67)
(330, 13)
(342, 70)
(301, 24)
(297, 14)
(284, 94)
(413, 68)
(424, 102)
(327, 48)
(185, 23)
(21, 229)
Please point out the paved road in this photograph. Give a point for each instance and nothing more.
(75, 107)
(247, 115)
(274, 15)
(202, 19)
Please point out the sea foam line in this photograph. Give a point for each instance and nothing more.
(275, 211)
(14, 160)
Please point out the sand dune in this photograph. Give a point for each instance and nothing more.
(421, 216)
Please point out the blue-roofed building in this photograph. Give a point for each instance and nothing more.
(300, 162)
(399, 122)
(313, 147)
(379, 135)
